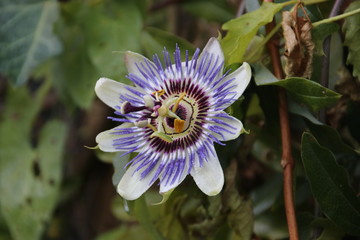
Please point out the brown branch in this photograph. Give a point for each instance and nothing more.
(287, 160)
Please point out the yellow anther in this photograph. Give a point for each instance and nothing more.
(152, 127)
(178, 102)
(159, 92)
(179, 125)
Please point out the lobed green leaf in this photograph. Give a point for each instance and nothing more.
(242, 30)
(29, 177)
(26, 37)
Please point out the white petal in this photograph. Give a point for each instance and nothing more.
(216, 55)
(131, 59)
(210, 177)
(105, 140)
(213, 47)
(242, 77)
(109, 91)
(134, 60)
(131, 185)
(226, 127)
(167, 187)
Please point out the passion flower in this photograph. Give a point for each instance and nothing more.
(171, 118)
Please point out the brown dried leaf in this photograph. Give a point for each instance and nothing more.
(299, 46)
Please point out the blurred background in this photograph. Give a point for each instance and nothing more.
(54, 186)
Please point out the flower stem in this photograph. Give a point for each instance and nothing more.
(287, 160)
(338, 17)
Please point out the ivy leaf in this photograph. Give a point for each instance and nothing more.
(243, 29)
(351, 28)
(29, 177)
(330, 185)
(26, 37)
(109, 34)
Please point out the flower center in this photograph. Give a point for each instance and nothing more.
(169, 117)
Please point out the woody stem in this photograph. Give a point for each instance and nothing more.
(287, 160)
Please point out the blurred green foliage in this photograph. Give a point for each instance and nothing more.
(51, 187)
(351, 29)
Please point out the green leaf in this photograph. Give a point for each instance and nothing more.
(265, 196)
(330, 230)
(330, 185)
(319, 34)
(75, 76)
(142, 214)
(303, 220)
(351, 28)
(169, 223)
(302, 111)
(29, 177)
(271, 225)
(72, 72)
(95, 38)
(130, 231)
(109, 33)
(154, 40)
(308, 92)
(243, 29)
(207, 10)
(255, 50)
(328, 137)
(240, 215)
(26, 37)
(263, 75)
(302, 90)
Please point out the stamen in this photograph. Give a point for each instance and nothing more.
(179, 125)
(152, 127)
(162, 136)
(158, 94)
(174, 108)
